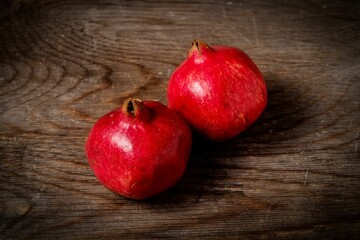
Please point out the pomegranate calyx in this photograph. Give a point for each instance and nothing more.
(199, 46)
(134, 107)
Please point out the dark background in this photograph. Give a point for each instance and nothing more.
(294, 174)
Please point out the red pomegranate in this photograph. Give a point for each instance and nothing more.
(140, 149)
(218, 90)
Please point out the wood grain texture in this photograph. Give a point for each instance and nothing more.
(294, 174)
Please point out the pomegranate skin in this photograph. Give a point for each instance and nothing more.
(218, 90)
(139, 150)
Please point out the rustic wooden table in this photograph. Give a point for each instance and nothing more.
(293, 174)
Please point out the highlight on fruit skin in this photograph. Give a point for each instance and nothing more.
(218, 90)
(139, 149)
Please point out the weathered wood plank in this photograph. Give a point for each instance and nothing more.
(294, 174)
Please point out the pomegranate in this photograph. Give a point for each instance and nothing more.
(218, 90)
(140, 149)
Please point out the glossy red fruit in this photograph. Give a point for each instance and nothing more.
(218, 90)
(140, 149)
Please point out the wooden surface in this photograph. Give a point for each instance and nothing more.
(294, 174)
